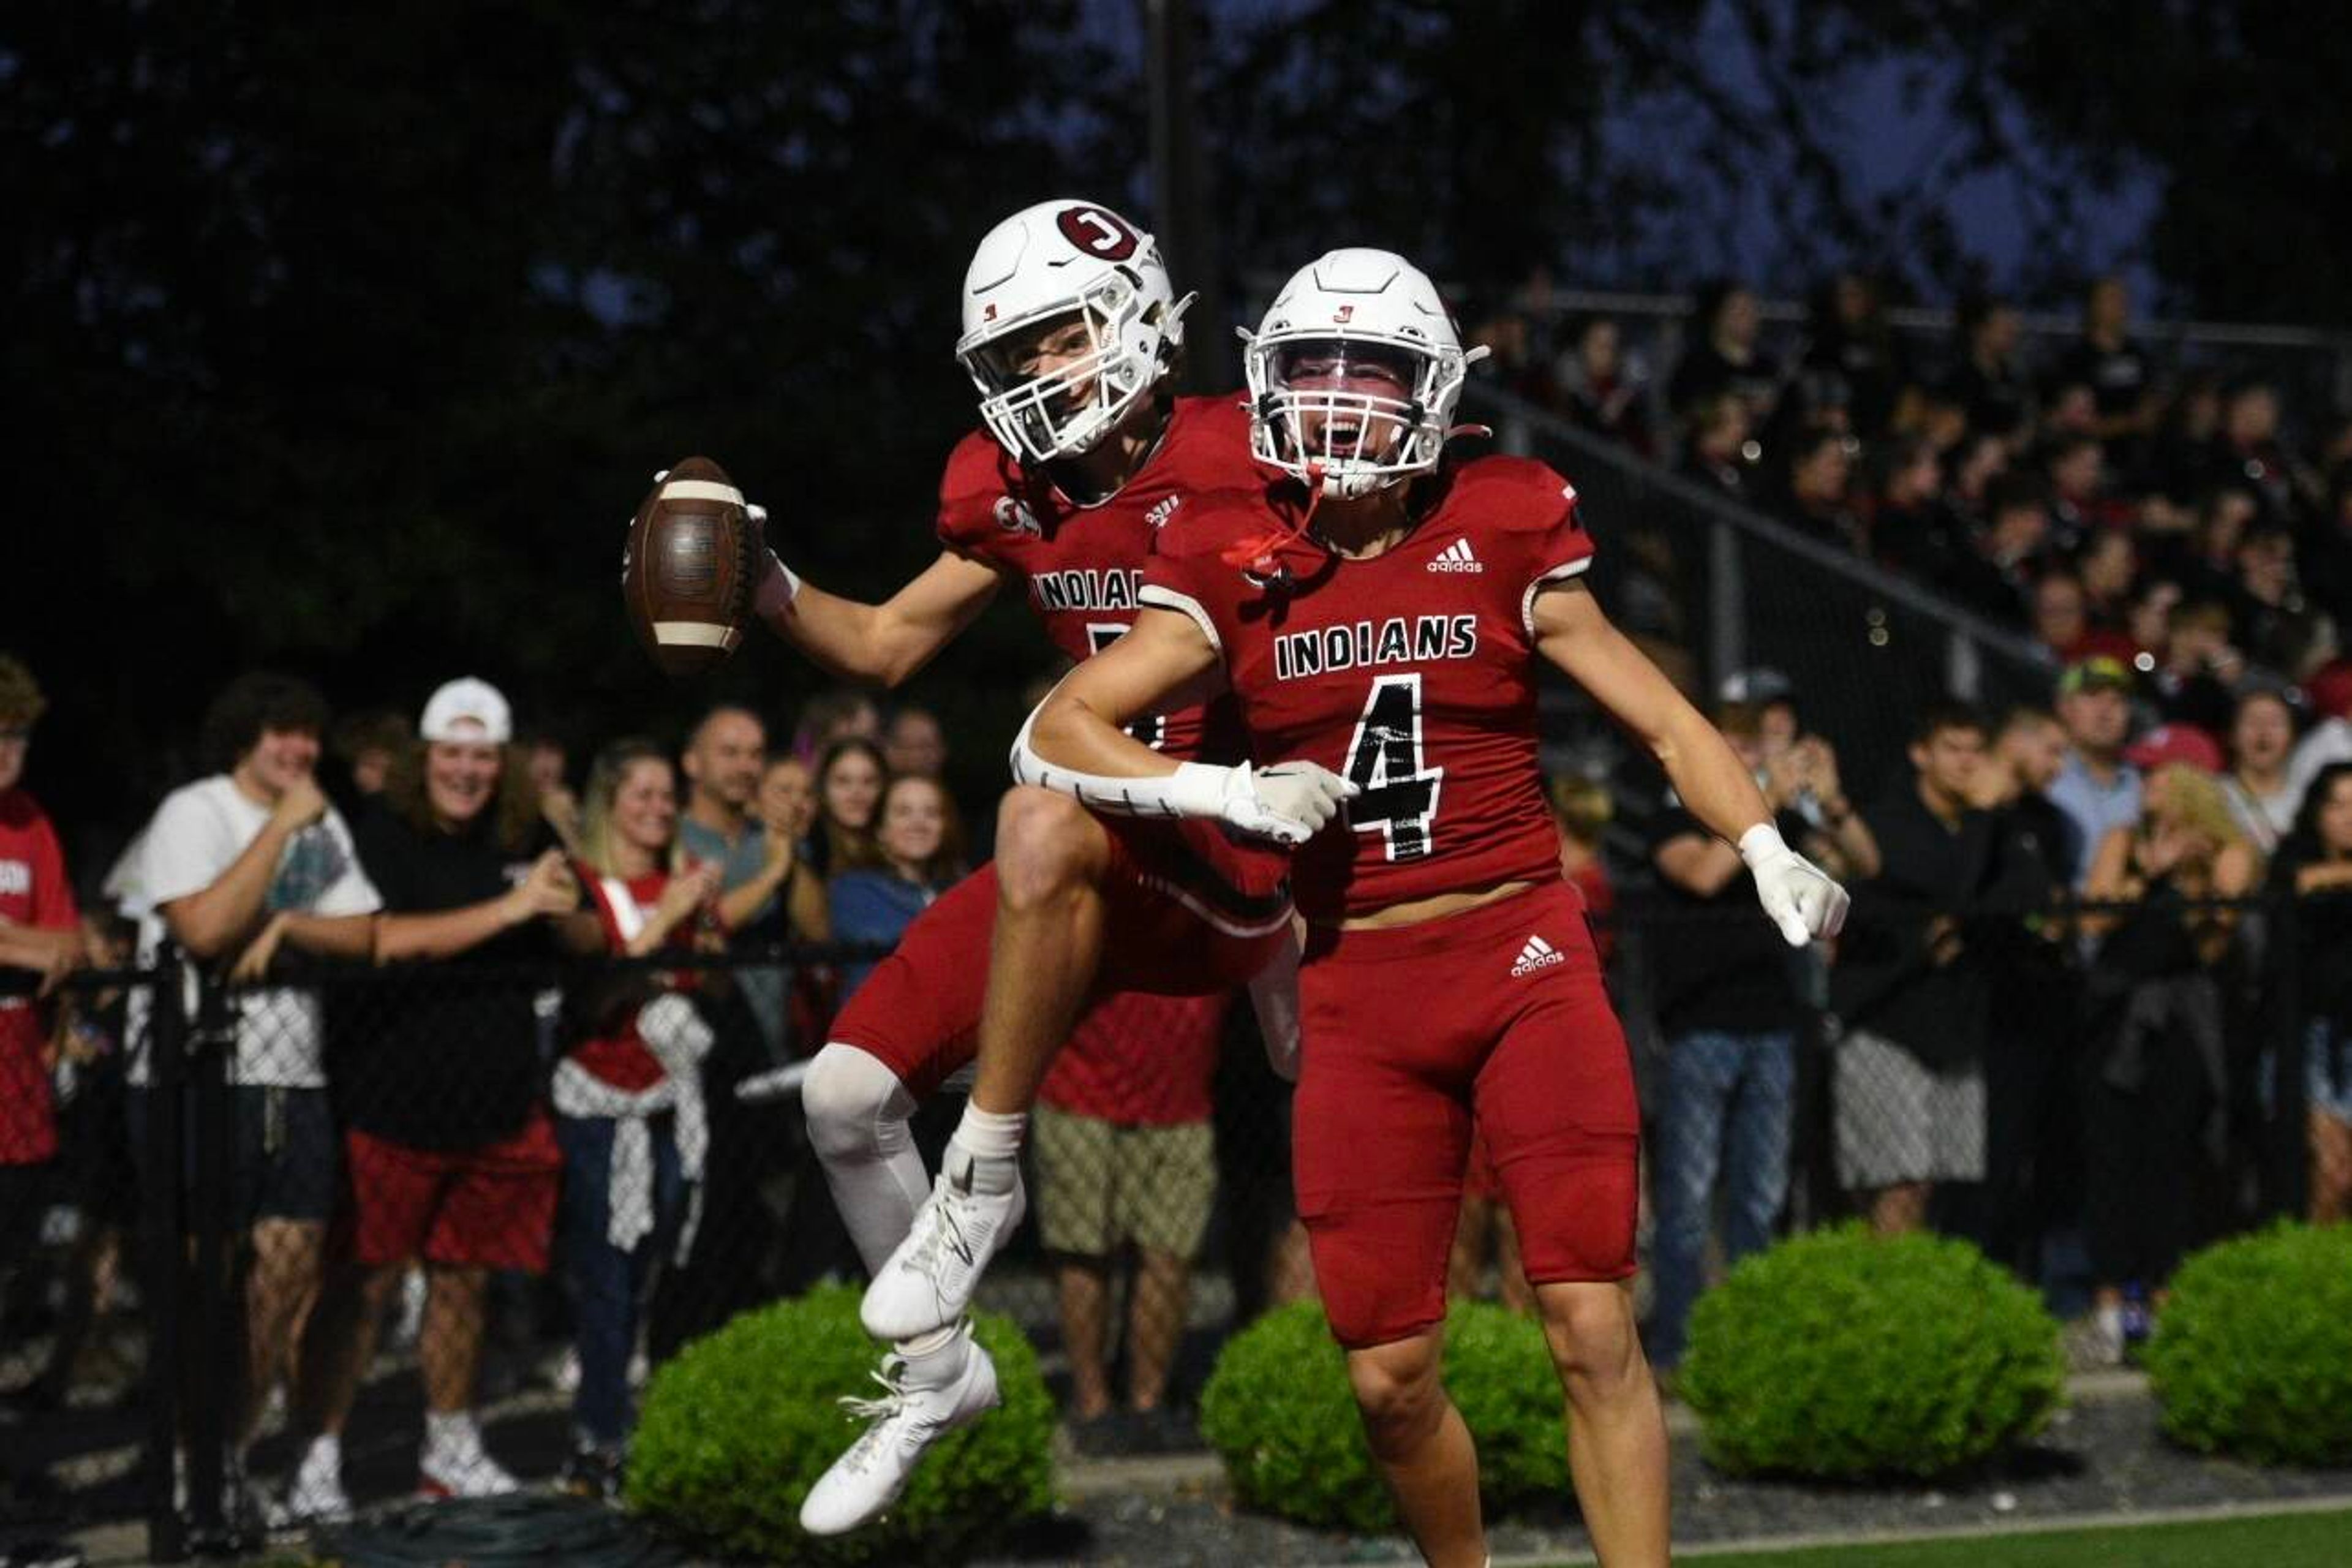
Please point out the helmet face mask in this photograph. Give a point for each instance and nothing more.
(1046, 393)
(1355, 374)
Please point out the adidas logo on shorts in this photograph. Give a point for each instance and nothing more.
(1538, 954)
(1456, 557)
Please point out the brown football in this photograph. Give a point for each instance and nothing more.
(686, 570)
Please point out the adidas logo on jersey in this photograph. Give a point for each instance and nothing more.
(1160, 512)
(1538, 954)
(1456, 557)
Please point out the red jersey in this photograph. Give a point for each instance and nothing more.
(1409, 672)
(33, 892)
(1081, 564)
(1141, 1060)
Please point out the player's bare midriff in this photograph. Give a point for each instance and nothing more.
(1436, 907)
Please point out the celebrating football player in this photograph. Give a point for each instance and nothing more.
(1070, 330)
(1379, 613)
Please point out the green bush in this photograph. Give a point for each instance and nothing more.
(1279, 1412)
(2253, 1354)
(1847, 1354)
(739, 1425)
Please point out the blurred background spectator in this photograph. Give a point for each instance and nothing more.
(628, 1092)
(919, 844)
(230, 867)
(1724, 355)
(914, 744)
(1125, 1158)
(849, 780)
(2314, 868)
(1910, 990)
(40, 941)
(1730, 1005)
(2155, 1130)
(450, 1151)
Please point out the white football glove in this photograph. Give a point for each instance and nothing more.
(1289, 802)
(1797, 896)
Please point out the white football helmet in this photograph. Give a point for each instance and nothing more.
(1349, 317)
(1065, 262)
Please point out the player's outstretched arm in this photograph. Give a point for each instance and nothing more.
(887, 642)
(1572, 632)
(1074, 742)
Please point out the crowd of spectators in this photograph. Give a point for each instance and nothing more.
(2184, 519)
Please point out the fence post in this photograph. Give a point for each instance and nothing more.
(1727, 624)
(167, 1045)
(1963, 667)
(213, 1384)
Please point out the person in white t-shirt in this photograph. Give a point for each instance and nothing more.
(230, 867)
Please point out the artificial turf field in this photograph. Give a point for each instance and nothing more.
(2278, 1541)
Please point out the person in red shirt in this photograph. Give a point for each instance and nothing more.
(1071, 332)
(1379, 617)
(40, 940)
(628, 1094)
(1125, 1153)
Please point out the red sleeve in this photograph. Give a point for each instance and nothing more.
(53, 899)
(1539, 508)
(1187, 571)
(978, 509)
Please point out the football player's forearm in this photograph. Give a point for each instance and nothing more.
(836, 634)
(1066, 732)
(1710, 778)
(1086, 756)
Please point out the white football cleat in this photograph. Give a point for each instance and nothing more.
(902, 1426)
(929, 1281)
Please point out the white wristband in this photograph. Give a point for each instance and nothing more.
(1761, 843)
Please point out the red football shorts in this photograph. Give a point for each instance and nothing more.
(1407, 1034)
(492, 1206)
(1192, 913)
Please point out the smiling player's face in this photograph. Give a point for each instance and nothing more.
(1347, 390)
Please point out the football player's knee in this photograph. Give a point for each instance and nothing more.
(1589, 1329)
(1046, 844)
(846, 1104)
(1398, 1391)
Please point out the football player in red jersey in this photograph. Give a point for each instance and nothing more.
(1070, 329)
(1380, 615)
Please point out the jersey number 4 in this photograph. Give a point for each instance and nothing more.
(1151, 731)
(1385, 761)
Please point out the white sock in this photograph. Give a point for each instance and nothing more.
(858, 1120)
(455, 1430)
(936, 1357)
(990, 1143)
(326, 1452)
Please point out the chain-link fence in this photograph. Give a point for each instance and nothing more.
(264, 1223)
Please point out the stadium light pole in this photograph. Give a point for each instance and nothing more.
(1180, 212)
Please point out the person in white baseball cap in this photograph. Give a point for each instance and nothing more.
(467, 708)
(465, 1178)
